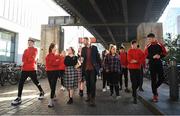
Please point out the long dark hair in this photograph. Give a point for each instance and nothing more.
(52, 45)
(73, 51)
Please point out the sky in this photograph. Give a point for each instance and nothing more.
(172, 4)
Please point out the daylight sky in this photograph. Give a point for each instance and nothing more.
(172, 4)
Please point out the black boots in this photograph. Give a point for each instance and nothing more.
(81, 93)
(70, 101)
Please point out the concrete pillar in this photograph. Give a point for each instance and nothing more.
(49, 34)
(145, 28)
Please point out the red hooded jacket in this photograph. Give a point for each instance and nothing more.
(52, 62)
(61, 63)
(123, 59)
(29, 59)
(137, 55)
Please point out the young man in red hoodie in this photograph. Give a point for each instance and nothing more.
(135, 60)
(124, 63)
(29, 68)
(155, 51)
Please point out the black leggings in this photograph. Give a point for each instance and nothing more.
(24, 76)
(105, 79)
(135, 80)
(52, 78)
(114, 82)
(157, 76)
(125, 73)
(61, 76)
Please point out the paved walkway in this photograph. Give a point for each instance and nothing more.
(30, 104)
(165, 106)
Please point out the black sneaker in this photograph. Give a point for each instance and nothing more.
(41, 96)
(70, 101)
(17, 101)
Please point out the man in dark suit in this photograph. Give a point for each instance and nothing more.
(90, 68)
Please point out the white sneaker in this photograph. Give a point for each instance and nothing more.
(41, 96)
(50, 104)
(118, 97)
(62, 88)
(107, 87)
(17, 101)
(104, 89)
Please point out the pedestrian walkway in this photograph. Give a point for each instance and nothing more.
(31, 105)
(165, 105)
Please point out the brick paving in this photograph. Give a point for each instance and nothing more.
(31, 105)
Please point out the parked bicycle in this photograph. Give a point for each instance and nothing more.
(8, 74)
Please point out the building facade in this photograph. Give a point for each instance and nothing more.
(171, 24)
(21, 19)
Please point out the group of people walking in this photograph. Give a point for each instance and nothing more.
(74, 69)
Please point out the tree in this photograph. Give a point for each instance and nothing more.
(173, 46)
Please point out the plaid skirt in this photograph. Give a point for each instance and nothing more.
(71, 78)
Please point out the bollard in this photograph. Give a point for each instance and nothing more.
(174, 89)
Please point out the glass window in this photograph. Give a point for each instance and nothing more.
(7, 48)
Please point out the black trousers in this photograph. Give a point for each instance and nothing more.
(157, 75)
(52, 78)
(61, 76)
(105, 78)
(114, 82)
(125, 74)
(141, 79)
(90, 76)
(24, 76)
(135, 80)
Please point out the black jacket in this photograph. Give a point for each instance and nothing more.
(95, 58)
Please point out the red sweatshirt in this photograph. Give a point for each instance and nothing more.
(29, 59)
(61, 63)
(137, 55)
(123, 59)
(52, 62)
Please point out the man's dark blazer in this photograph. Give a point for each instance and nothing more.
(95, 58)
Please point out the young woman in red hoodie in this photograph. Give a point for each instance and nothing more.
(29, 68)
(52, 65)
(135, 60)
(124, 63)
(62, 68)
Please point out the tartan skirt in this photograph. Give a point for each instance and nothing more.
(71, 78)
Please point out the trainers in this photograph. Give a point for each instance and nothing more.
(120, 88)
(50, 104)
(155, 98)
(108, 88)
(104, 89)
(62, 88)
(41, 96)
(118, 97)
(17, 101)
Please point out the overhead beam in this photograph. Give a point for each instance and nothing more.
(83, 20)
(125, 13)
(98, 11)
(102, 24)
(148, 10)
